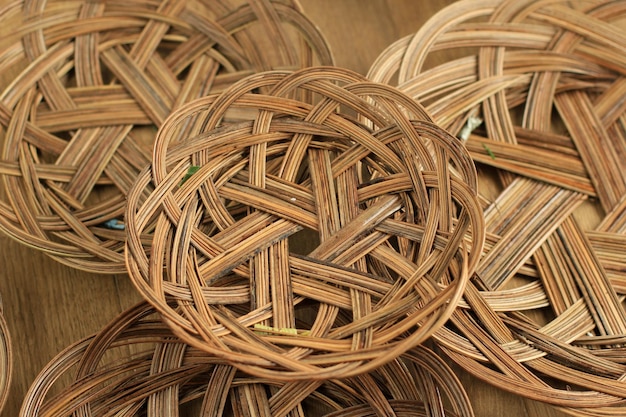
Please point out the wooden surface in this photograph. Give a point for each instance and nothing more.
(48, 306)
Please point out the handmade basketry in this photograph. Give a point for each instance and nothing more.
(91, 82)
(384, 200)
(135, 366)
(543, 316)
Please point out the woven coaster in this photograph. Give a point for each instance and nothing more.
(536, 91)
(136, 367)
(90, 82)
(384, 200)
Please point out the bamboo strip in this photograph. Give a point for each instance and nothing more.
(6, 359)
(526, 213)
(596, 151)
(554, 168)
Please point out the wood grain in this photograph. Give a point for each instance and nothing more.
(48, 306)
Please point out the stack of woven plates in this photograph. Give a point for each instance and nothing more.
(312, 241)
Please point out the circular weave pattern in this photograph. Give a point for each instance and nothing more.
(92, 81)
(542, 84)
(384, 199)
(163, 375)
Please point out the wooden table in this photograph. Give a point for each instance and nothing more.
(49, 306)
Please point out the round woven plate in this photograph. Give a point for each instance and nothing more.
(542, 84)
(383, 199)
(135, 366)
(90, 82)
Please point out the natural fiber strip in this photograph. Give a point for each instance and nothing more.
(86, 85)
(562, 170)
(523, 216)
(325, 177)
(553, 267)
(597, 150)
(6, 359)
(595, 287)
(535, 91)
(615, 219)
(609, 249)
(136, 367)
(534, 388)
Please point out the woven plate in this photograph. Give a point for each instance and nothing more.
(91, 81)
(135, 367)
(546, 78)
(384, 200)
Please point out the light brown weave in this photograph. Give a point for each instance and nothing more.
(383, 199)
(154, 374)
(90, 82)
(544, 314)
